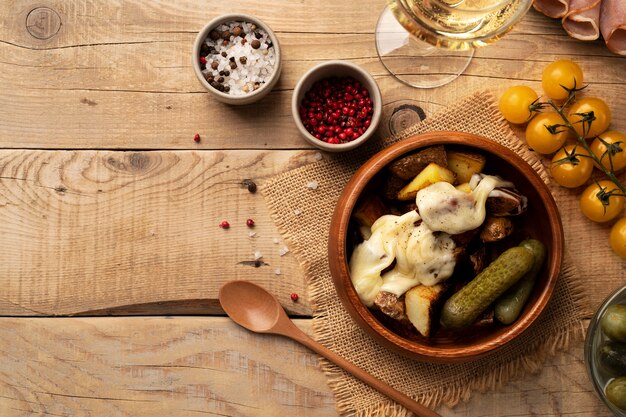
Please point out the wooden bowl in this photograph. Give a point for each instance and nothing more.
(541, 221)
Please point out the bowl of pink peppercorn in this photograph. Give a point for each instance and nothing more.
(336, 106)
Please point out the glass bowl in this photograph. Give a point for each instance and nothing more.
(594, 339)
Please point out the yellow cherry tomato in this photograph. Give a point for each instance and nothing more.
(571, 171)
(617, 237)
(515, 103)
(600, 110)
(559, 74)
(610, 149)
(539, 137)
(597, 203)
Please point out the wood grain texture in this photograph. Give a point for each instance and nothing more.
(118, 74)
(190, 366)
(111, 232)
(91, 230)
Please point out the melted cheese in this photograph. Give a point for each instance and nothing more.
(419, 243)
(445, 209)
(422, 257)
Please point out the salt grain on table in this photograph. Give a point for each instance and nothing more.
(312, 185)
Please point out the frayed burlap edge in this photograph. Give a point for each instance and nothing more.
(530, 359)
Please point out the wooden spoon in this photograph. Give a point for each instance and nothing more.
(254, 308)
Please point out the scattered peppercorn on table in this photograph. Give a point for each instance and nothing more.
(128, 196)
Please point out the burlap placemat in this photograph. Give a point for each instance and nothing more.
(302, 201)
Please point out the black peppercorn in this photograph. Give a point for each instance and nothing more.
(214, 65)
(220, 80)
(214, 35)
(233, 65)
(221, 73)
(226, 73)
(225, 34)
(204, 49)
(224, 54)
(243, 60)
(257, 35)
(226, 88)
(255, 44)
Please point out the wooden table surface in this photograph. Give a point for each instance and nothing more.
(110, 254)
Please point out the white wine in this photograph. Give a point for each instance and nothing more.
(459, 24)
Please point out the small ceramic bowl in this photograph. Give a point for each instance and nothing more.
(337, 69)
(596, 339)
(540, 221)
(227, 98)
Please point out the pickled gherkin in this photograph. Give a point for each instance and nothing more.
(464, 307)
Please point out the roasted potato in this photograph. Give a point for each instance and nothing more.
(465, 164)
(369, 210)
(411, 165)
(431, 174)
(421, 306)
(496, 228)
(390, 304)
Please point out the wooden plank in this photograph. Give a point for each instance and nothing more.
(91, 230)
(111, 232)
(118, 75)
(193, 366)
(154, 367)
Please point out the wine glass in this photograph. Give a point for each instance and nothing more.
(428, 43)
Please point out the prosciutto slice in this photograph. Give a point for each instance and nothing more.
(582, 21)
(613, 25)
(552, 8)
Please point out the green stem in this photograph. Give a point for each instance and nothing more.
(581, 140)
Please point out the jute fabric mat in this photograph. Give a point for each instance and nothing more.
(302, 213)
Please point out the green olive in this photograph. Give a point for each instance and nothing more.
(612, 357)
(616, 392)
(613, 323)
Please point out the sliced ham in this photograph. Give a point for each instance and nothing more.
(583, 19)
(613, 25)
(552, 8)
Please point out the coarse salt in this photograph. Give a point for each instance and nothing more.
(277, 271)
(257, 255)
(283, 251)
(276, 241)
(252, 234)
(244, 69)
(312, 185)
(297, 212)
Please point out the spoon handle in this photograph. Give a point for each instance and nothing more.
(412, 405)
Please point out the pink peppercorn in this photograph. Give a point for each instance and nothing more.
(336, 110)
(224, 224)
(196, 137)
(294, 297)
(250, 223)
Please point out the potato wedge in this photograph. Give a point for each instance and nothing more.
(431, 174)
(421, 306)
(465, 164)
